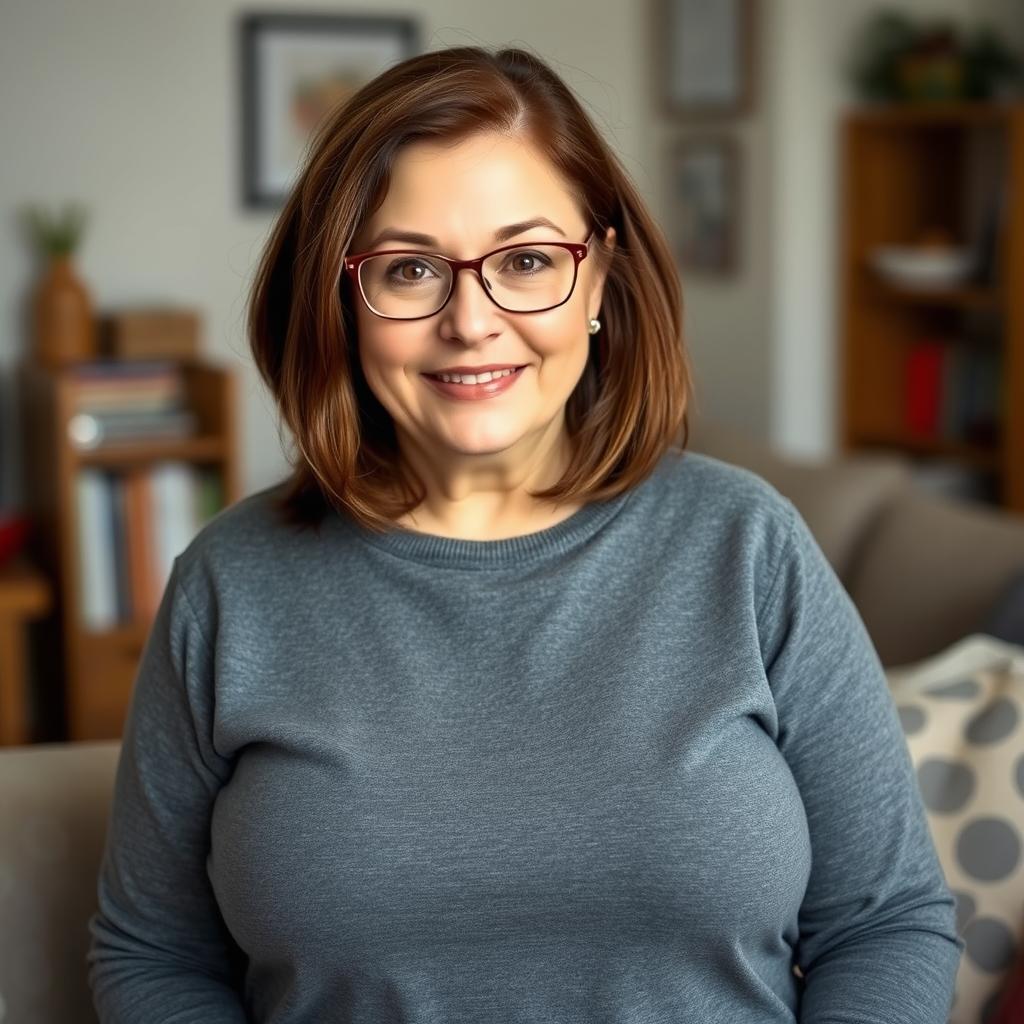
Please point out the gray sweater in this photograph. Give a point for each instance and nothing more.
(631, 768)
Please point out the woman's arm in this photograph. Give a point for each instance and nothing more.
(878, 941)
(160, 950)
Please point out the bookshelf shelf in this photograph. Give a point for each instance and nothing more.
(128, 453)
(936, 373)
(984, 459)
(127, 636)
(885, 115)
(962, 298)
(110, 519)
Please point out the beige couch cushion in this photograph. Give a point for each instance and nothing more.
(54, 804)
(932, 573)
(961, 713)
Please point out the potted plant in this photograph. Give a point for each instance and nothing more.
(895, 58)
(63, 322)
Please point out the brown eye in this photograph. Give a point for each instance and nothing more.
(526, 261)
(410, 270)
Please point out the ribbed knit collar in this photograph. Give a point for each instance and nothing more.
(506, 553)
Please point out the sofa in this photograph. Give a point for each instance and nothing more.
(923, 570)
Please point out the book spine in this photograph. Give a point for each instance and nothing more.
(952, 370)
(119, 522)
(97, 585)
(923, 388)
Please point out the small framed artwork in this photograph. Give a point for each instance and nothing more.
(705, 63)
(704, 203)
(295, 68)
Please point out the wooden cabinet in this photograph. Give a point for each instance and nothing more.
(25, 594)
(98, 665)
(956, 170)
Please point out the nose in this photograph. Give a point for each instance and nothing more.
(474, 286)
(469, 311)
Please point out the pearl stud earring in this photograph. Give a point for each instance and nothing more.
(594, 327)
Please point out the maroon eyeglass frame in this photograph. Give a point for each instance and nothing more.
(579, 251)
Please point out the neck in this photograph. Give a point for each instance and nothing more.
(486, 496)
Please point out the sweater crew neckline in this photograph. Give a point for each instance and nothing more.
(506, 552)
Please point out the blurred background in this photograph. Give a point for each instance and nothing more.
(842, 185)
(840, 181)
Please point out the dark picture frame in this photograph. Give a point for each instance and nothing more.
(704, 57)
(704, 203)
(296, 66)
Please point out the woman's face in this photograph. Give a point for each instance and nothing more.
(462, 196)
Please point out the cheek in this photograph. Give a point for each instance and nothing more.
(555, 334)
(385, 350)
(560, 340)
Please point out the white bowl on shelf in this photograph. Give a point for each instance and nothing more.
(919, 267)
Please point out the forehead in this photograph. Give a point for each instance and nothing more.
(463, 190)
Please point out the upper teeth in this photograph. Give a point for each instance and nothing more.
(474, 378)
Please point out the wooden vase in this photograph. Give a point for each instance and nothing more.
(65, 328)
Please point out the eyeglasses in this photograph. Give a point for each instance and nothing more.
(398, 284)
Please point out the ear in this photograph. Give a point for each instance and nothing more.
(603, 260)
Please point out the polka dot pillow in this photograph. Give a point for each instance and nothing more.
(963, 718)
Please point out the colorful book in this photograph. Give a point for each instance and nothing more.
(95, 529)
(924, 373)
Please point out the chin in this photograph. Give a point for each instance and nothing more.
(483, 446)
(491, 449)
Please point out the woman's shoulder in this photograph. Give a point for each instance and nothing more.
(730, 514)
(701, 483)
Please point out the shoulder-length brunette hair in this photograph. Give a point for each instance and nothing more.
(631, 400)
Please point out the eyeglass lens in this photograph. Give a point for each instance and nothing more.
(524, 279)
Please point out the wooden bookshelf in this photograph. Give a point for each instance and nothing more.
(905, 171)
(97, 667)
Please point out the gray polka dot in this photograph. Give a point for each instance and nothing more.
(1020, 774)
(990, 944)
(912, 718)
(946, 786)
(964, 689)
(965, 909)
(988, 849)
(993, 724)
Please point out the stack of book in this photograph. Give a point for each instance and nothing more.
(953, 391)
(131, 526)
(131, 400)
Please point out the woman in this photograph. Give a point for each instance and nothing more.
(504, 707)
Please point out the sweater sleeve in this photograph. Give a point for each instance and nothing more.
(878, 941)
(160, 950)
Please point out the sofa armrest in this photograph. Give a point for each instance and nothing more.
(55, 801)
(931, 570)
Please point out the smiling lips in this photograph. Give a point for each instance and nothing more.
(476, 370)
(498, 384)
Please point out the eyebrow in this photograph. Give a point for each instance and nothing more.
(501, 235)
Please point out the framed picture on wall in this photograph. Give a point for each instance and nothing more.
(705, 56)
(704, 203)
(295, 68)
